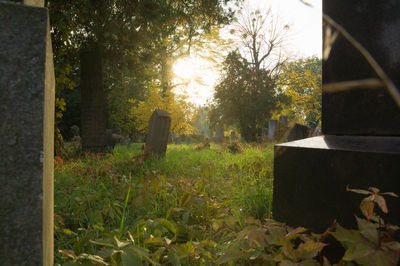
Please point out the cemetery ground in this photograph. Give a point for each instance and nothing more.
(122, 207)
(197, 206)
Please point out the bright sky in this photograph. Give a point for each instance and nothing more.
(305, 39)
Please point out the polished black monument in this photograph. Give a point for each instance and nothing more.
(361, 145)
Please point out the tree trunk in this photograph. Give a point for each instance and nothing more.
(93, 102)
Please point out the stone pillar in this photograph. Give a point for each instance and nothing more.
(158, 132)
(361, 147)
(27, 135)
(219, 134)
(272, 128)
(93, 101)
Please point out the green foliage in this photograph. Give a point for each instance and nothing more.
(301, 82)
(244, 97)
(119, 208)
(374, 242)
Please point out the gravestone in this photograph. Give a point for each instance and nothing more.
(27, 135)
(219, 134)
(93, 102)
(158, 132)
(272, 128)
(233, 136)
(361, 147)
(298, 131)
(283, 120)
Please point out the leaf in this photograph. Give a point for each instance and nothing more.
(380, 257)
(357, 251)
(129, 258)
(68, 232)
(309, 249)
(155, 241)
(231, 255)
(289, 251)
(106, 252)
(369, 230)
(381, 203)
(359, 191)
(367, 207)
(347, 236)
(257, 237)
(390, 194)
(374, 190)
(393, 245)
(167, 224)
(275, 235)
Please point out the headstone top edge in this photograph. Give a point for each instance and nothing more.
(33, 3)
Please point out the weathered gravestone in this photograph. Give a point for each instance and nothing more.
(272, 128)
(283, 120)
(158, 132)
(361, 147)
(298, 131)
(219, 134)
(93, 102)
(27, 135)
(233, 136)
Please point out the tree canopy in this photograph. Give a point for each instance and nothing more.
(301, 82)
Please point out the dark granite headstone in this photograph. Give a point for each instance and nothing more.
(158, 132)
(298, 131)
(362, 111)
(311, 175)
(26, 136)
(93, 103)
(272, 128)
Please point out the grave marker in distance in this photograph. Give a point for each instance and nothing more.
(158, 132)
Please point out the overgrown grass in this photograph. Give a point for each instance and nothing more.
(183, 208)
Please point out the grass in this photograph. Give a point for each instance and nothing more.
(182, 209)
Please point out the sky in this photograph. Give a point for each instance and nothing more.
(304, 39)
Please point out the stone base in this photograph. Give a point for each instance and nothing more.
(311, 175)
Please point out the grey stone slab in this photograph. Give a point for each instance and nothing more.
(158, 132)
(272, 129)
(27, 136)
(219, 134)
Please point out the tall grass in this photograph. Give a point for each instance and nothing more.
(205, 194)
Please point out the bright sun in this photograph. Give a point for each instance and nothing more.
(199, 77)
(184, 68)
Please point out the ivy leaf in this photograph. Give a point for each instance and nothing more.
(130, 258)
(309, 249)
(359, 191)
(381, 203)
(369, 230)
(367, 207)
(357, 251)
(346, 236)
(231, 255)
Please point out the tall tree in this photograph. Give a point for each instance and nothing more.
(243, 98)
(300, 81)
(262, 38)
(137, 41)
